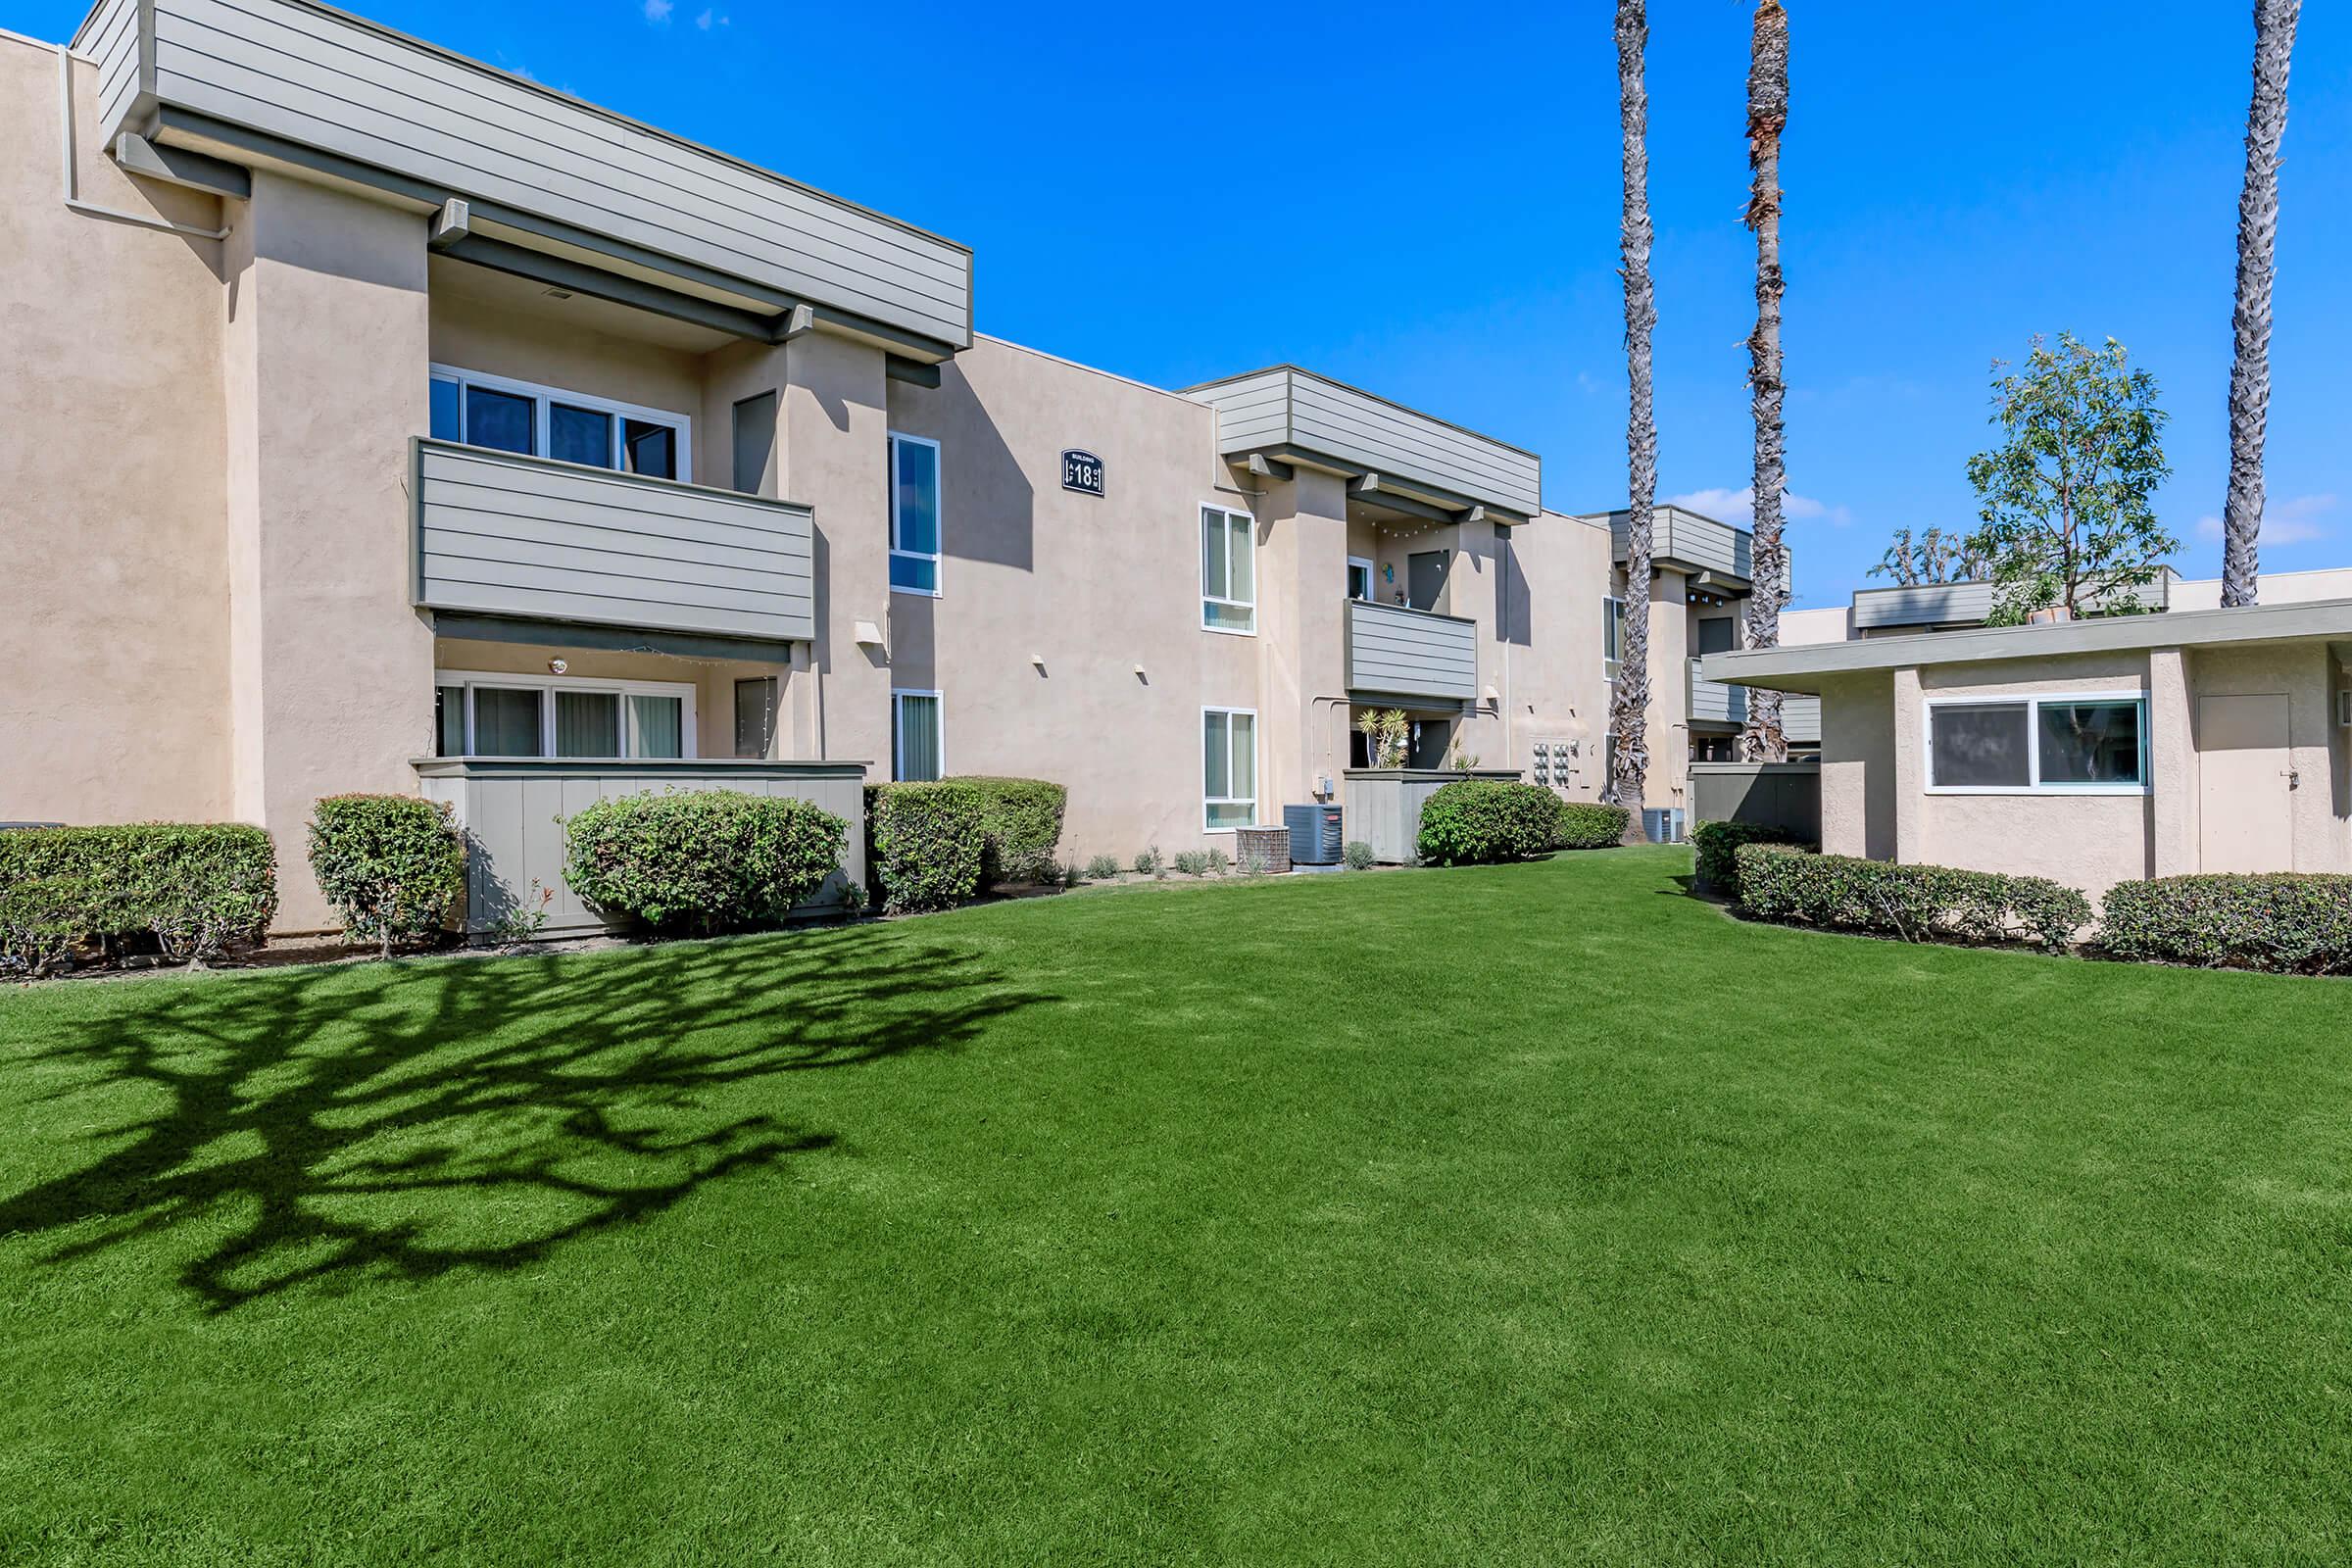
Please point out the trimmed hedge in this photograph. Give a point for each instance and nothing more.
(1916, 903)
(1715, 850)
(2285, 923)
(393, 865)
(926, 842)
(700, 860)
(1476, 821)
(1590, 825)
(197, 888)
(1020, 828)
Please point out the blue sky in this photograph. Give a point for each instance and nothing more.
(1429, 208)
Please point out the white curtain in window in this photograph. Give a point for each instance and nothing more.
(587, 724)
(918, 739)
(506, 721)
(660, 725)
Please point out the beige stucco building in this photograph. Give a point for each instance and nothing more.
(416, 427)
(2091, 752)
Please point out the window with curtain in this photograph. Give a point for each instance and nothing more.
(507, 722)
(916, 750)
(506, 715)
(914, 515)
(1229, 768)
(587, 724)
(2059, 744)
(519, 416)
(658, 726)
(1228, 571)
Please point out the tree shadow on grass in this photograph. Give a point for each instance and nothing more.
(337, 1127)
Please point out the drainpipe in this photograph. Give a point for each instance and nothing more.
(74, 203)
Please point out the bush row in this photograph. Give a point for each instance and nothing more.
(2298, 925)
(1916, 903)
(923, 844)
(198, 889)
(1715, 851)
(1020, 828)
(1590, 825)
(392, 866)
(1481, 820)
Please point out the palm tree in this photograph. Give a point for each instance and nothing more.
(1761, 739)
(2257, 237)
(1628, 700)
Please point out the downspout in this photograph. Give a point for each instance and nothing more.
(74, 203)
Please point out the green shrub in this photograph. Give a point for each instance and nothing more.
(1357, 856)
(1193, 862)
(1916, 903)
(1020, 828)
(926, 843)
(1590, 825)
(197, 888)
(2286, 923)
(700, 860)
(1150, 863)
(1715, 848)
(393, 865)
(1102, 869)
(1213, 859)
(1480, 820)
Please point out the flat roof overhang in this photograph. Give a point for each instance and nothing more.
(1804, 667)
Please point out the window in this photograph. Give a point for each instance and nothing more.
(917, 748)
(1612, 636)
(755, 442)
(545, 422)
(559, 716)
(914, 515)
(754, 715)
(1717, 634)
(1228, 768)
(1228, 571)
(2084, 745)
(1359, 578)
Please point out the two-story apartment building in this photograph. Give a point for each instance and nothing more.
(381, 419)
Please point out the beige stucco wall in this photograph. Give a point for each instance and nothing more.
(2305, 674)
(1552, 681)
(1097, 586)
(110, 483)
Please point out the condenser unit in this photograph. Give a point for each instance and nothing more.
(1315, 834)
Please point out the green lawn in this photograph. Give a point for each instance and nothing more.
(1460, 1216)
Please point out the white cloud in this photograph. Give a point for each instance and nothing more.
(1739, 506)
(710, 19)
(658, 12)
(2294, 522)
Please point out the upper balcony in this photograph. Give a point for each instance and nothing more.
(1713, 701)
(1417, 655)
(290, 84)
(1715, 555)
(533, 539)
(1397, 457)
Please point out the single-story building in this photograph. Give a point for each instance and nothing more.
(2091, 752)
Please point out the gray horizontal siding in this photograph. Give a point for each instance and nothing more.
(112, 38)
(1691, 541)
(513, 816)
(1409, 653)
(1713, 701)
(1929, 604)
(324, 80)
(1289, 407)
(1800, 718)
(499, 534)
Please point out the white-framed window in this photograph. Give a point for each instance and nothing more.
(1228, 768)
(1612, 635)
(918, 747)
(1227, 571)
(547, 421)
(2054, 743)
(480, 714)
(914, 515)
(1359, 578)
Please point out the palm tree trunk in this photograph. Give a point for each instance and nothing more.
(1761, 739)
(2257, 238)
(1628, 700)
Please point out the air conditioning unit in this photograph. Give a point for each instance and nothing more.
(1662, 824)
(1315, 834)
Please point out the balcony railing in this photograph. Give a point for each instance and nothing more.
(1415, 654)
(1713, 701)
(498, 534)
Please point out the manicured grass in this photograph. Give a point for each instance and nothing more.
(1530, 1214)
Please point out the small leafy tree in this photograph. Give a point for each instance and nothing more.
(1936, 557)
(2068, 497)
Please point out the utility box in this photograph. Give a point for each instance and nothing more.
(1316, 838)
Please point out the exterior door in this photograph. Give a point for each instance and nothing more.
(1425, 578)
(2244, 785)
